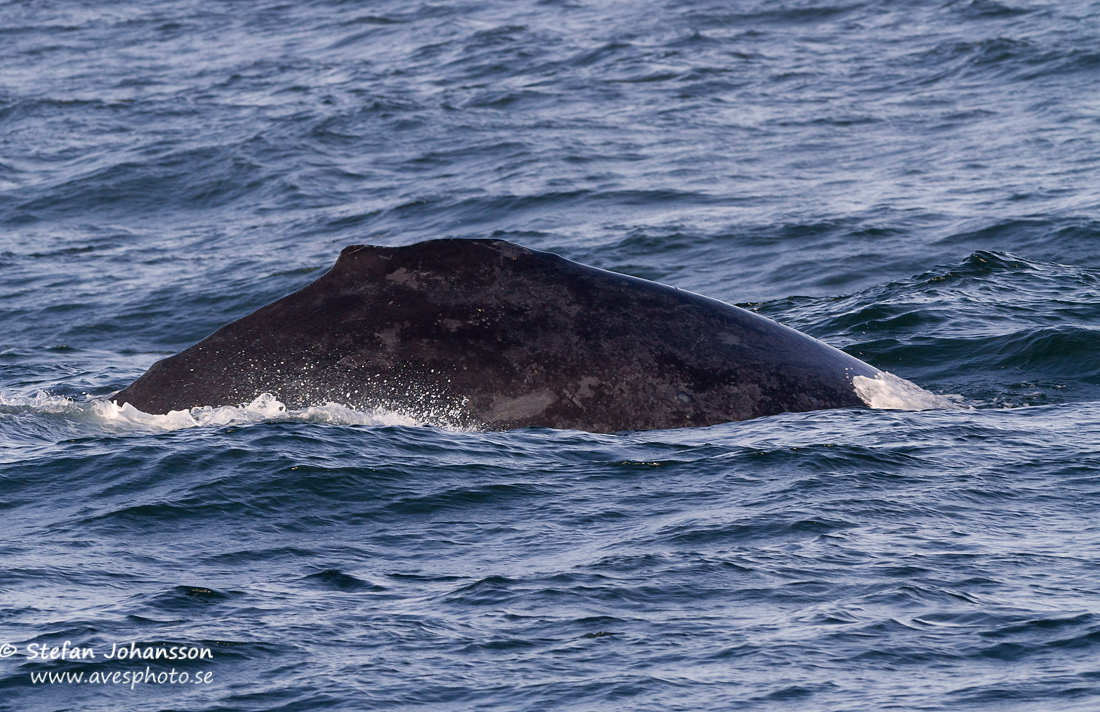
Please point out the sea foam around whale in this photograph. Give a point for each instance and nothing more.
(264, 408)
(883, 392)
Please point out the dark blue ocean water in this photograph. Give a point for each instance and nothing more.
(917, 183)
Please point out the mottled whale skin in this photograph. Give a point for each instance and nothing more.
(486, 334)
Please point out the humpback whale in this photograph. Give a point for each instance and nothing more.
(486, 334)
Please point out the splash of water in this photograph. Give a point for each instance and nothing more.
(888, 392)
(264, 408)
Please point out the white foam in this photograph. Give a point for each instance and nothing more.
(888, 392)
(266, 407)
(884, 391)
(342, 415)
(41, 401)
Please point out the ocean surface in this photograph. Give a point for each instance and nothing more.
(917, 183)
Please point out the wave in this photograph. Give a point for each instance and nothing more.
(997, 327)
